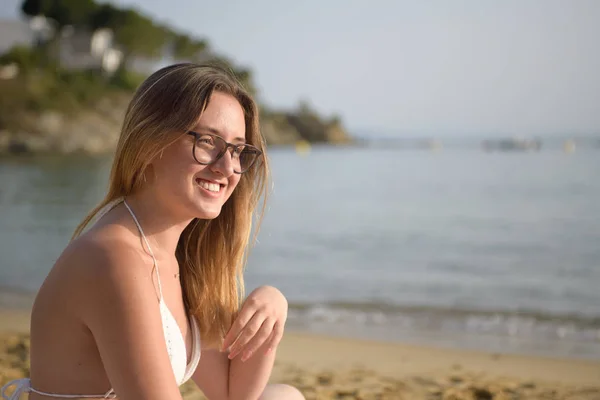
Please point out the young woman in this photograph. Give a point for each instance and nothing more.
(148, 296)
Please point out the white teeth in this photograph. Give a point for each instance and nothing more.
(213, 187)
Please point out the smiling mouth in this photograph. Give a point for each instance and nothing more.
(210, 186)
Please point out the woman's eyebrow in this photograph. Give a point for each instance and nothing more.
(218, 133)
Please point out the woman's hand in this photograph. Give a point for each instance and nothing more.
(260, 322)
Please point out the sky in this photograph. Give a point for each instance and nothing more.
(436, 67)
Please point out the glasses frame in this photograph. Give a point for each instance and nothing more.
(228, 145)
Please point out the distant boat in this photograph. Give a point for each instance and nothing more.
(512, 145)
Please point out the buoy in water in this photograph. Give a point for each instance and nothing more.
(302, 147)
(569, 146)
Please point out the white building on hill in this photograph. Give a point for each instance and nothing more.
(77, 49)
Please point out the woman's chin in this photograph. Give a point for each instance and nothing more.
(210, 212)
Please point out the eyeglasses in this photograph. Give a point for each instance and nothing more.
(209, 148)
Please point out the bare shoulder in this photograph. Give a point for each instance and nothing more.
(106, 262)
(103, 253)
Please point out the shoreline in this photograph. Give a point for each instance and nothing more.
(477, 343)
(15, 310)
(326, 366)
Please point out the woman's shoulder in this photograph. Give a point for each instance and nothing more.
(98, 273)
(106, 260)
(99, 251)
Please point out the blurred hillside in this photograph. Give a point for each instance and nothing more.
(68, 71)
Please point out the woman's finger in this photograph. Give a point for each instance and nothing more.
(245, 315)
(259, 339)
(251, 328)
(275, 336)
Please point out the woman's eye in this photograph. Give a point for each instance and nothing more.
(205, 140)
(240, 150)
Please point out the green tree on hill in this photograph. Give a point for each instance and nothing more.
(135, 33)
(186, 47)
(63, 12)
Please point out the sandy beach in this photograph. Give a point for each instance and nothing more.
(339, 368)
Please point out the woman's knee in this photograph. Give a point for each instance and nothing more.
(281, 392)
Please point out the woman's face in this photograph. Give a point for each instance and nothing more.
(201, 190)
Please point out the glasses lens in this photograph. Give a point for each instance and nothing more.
(210, 147)
(247, 156)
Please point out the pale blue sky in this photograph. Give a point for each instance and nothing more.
(425, 67)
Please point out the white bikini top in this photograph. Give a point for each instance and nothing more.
(174, 339)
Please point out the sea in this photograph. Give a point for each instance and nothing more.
(456, 247)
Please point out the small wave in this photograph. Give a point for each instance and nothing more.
(519, 323)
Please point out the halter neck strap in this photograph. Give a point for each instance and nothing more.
(147, 245)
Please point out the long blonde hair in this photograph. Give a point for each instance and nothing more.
(211, 253)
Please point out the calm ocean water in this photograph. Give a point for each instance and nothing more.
(457, 247)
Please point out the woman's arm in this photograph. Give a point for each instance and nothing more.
(243, 372)
(220, 378)
(116, 299)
